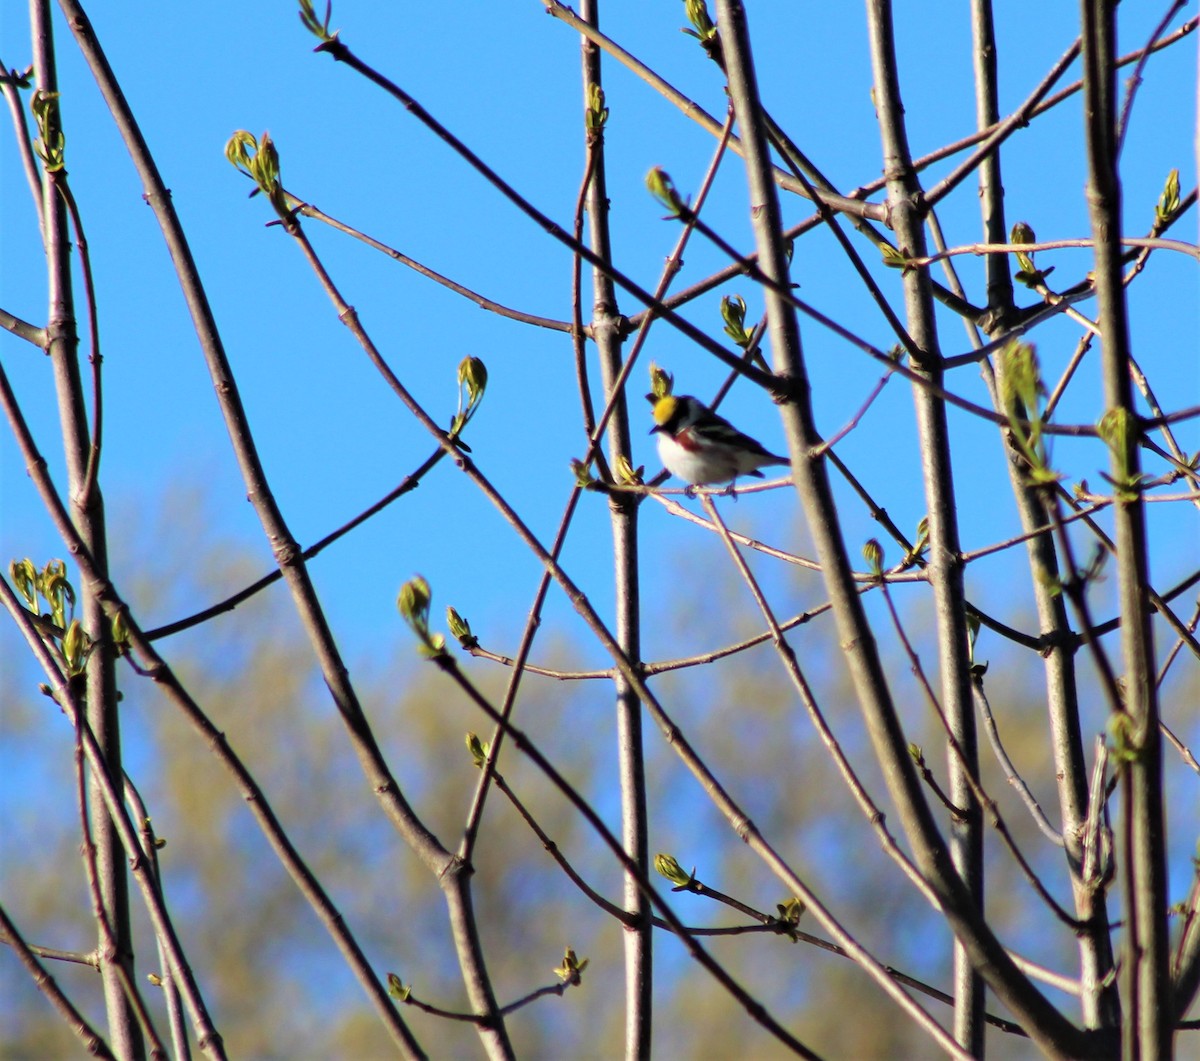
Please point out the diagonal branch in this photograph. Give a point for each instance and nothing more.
(1040, 1019)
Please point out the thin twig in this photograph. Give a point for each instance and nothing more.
(338, 50)
(976, 790)
(409, 483)
(45, 983)
(980, 249)
(1010, 771)
(1135, 79)
(149, 663)
(867, 805)
(307, 209)
(449, 666)
(693, 110)
(9, 86)
(108, 940)
(108, 795)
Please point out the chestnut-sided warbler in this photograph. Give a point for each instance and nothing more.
(701, 447)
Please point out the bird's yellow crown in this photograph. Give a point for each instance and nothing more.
(664, 409)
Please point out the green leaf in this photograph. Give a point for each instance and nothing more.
(239, 148)
(434, 646)
(583, 476)
(1021, 391)
(56, 590)
(1117, 428)
(921, 545)
(120, 631)
(23, 575)
(1028, 273)
(1022, 386)
(1125, 742)
(702, 23)
(413, 605)
(472, 384)
(790, 913)
(50, 144)
(626, 473)
(317, 27)
(1022, 232)
(1113, 429)
(260, 160)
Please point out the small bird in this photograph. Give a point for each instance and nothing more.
(703, 448)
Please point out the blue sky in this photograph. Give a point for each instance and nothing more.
(333, 438)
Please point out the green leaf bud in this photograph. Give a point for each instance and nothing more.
(596, 115)
(23, 576)
(571, 969)
(413, 603)
(473, 374)
(733, 312)
(460, 629)
(668, 867)
(873, 554)
(75, 646)
(660, 185)
(478, 749)
(661, 383)
(1168, 201)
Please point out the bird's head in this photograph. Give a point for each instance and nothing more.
(672, 413)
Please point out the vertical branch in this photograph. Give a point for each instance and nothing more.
(945, 566)
(991, 187)
(87, 514)
(1043, 1022)
(1098, 993)
(623, 512)
(1147, 1033)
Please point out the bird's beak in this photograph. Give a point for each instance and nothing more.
(656, 427)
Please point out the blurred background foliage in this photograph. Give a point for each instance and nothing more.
(273, 979)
